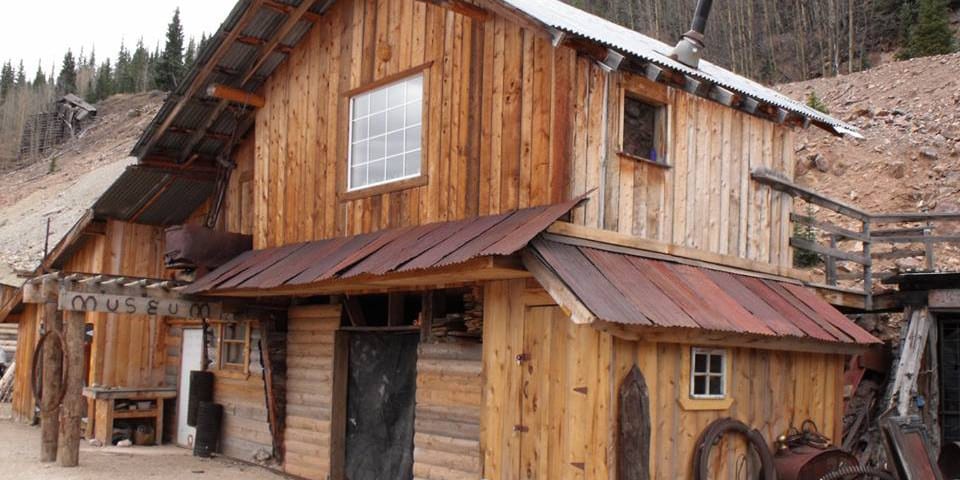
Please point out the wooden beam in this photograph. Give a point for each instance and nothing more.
(779, 183)
(829, 252)
(338, 408)
(395, 309)
(558, 290)
(73, 401)
(289, 9)
(912, 346)
(293, 16)
(944, 299)
(829, 227)
(204, 73)
(426, 316)
(462, 7)
(235, 95)
(52, 382)
(725, 339)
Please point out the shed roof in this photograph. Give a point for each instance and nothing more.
(633, 290)
(380, 253)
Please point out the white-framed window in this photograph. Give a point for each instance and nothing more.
(708, 373)
(385, 134)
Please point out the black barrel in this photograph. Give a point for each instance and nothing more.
(201, 390)
(209, 418)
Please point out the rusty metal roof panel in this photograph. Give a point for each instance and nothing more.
(620, 287)
(381, 253)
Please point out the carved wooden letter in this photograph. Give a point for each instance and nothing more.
(633, 439)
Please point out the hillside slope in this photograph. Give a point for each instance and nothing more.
(63, 185)
(910, 160)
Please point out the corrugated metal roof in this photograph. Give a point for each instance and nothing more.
(561, 16)
(160, 197)
(630, 289)
(389, 251)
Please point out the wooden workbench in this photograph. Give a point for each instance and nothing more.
(104, 400)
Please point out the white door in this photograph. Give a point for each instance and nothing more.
(190, 359)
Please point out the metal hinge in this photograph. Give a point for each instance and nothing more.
(521, 428)
(523, 357)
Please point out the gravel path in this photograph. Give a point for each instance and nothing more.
(20, 446)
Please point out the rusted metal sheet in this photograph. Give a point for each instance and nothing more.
(380, 253)
(198, 246)
(620, 287)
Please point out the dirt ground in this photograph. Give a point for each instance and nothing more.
(20, 445)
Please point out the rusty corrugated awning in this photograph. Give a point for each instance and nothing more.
(381, 253)
(618, 287)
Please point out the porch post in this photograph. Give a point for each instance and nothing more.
(52, 373)
(73, 402)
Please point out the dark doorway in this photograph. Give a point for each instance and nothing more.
(950, 376)
(380, 403)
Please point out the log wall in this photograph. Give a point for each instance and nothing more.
(246, 427)
(565, 394)
(509, 122)
(446, 443)
(309, 384)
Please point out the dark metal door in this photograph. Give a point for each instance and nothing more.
(381, 395)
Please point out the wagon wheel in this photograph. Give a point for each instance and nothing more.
(854, 472)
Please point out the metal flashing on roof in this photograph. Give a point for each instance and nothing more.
(634, 290)
(559, 16)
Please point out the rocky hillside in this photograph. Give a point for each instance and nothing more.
(910, 160)
(61, 186)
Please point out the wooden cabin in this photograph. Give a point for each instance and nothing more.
(491, 239)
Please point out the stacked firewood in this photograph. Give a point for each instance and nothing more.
(465, 324)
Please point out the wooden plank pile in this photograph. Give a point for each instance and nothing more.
(467, 324)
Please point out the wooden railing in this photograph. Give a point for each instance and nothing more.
(878, 240)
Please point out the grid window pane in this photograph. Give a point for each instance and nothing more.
(386, 134)
(708, 373)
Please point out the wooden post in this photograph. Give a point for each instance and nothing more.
(831, 263)
(52, 373)
(73, 402)
(867, 268)
(426, 317)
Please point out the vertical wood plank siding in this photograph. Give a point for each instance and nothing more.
(28, 333)
(309, 386)
(509, 122)
(572, 376)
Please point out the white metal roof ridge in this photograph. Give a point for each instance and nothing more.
(572, 20)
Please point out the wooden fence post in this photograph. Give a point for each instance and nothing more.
(69, 451)
(52, 373)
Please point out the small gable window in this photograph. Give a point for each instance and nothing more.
(644, 129)
(233, 348)
(385, 134)
(708, 376)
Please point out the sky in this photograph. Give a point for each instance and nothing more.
(43, 30)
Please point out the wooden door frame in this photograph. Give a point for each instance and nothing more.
(183, 330)
(341, 386)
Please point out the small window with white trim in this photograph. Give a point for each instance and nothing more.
(708, 373)
(385, 134)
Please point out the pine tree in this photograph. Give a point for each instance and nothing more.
(103, 87)
(6, 80)
(140, 68)
(67, 81)
(40, 79)
(931, 34)
(21, 76)
(191, 55)
(123, 81)
(170, 64)
(814, 102)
